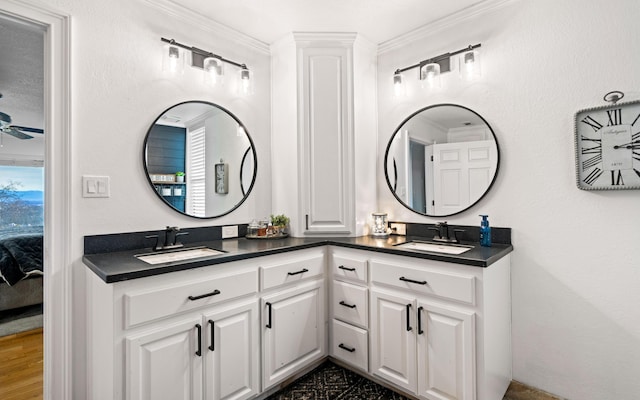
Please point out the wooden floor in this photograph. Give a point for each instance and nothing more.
(21, 366)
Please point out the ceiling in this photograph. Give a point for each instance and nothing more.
(376, 20)
(22, 75)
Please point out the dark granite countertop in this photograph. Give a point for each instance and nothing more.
(116, 266)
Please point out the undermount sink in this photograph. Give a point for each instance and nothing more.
(435, 247)
(178, 255)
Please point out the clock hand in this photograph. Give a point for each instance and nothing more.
(632, 143)
(629, 146)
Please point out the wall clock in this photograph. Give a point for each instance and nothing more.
(608, 145)
(222, 178)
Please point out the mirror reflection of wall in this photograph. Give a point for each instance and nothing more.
(193, 137)
(441, 160)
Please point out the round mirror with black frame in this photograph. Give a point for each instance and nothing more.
(199, 159)
(441, 160)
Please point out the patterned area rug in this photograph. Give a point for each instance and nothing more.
(331, 382)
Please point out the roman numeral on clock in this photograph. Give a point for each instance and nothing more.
(616, 179)
(635, 120)
(595, 174)
(592, 162)
(592, 150)
(592, 123)
(637, 172)
(636, 155)
(615, 116)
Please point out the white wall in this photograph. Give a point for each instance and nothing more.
(576, 266)
(118, 89)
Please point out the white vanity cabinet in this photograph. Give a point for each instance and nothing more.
(349, 309)
(436, 330)
(207, 356)
(191, 334)
(293, 314)
(325, 86)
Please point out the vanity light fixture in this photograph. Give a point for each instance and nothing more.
(431, 68)
(212, 64)
(173, 59)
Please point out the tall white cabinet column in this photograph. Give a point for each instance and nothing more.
(324, 132)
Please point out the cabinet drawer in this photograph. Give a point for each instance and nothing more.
(350, 345)
(283, 273)
(144, 306)
(442, 284)
(350, 303)
(349, 268)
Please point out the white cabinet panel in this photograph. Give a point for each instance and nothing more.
(446, 349)
(393, 343)
(232, 348)
(349, 303)
(162, 363)
(293, 333)
(350, 345)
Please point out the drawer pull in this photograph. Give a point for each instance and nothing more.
(269, 323)
(202, 296)
(349, 349)
(409, 318)
(342, 303)
(302, 271)
(212, 346)
(402, 278)
(199, 329)
(420, 331)
(346, 268)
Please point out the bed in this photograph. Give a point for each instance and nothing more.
(20, 270)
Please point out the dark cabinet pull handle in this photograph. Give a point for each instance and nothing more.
(212, 346)
(202, 296)
(302, 271)
(342, 303)
(349, 349)
(269, 323)
(199, 351)
(402, 278)
(420, 331)
(409, 318)
(346, 268)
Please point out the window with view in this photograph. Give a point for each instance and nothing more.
(21, 199)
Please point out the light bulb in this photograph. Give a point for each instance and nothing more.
(173, 59)
(245, 85)
(213, 70)
(398, 85)
(470, 65)
(430, 76)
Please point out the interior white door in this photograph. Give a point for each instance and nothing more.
(232, 352)
(462, 173)
(446, 353)
(162, 363)
(393, 341)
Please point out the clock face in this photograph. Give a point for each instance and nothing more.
(221, 179)
(608, 147)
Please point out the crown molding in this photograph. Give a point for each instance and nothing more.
(207, 24)
(454, 19)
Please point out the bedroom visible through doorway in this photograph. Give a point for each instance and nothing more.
(22, 186)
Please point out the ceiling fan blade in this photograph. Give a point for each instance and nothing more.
(27, 129)
(5, 118)
(16, 133)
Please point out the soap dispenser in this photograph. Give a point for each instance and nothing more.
(485, 232)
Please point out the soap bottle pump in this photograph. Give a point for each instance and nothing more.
(485, 232)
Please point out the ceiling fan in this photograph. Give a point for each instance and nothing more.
(15, 130)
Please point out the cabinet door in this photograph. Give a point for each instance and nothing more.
(327, 178)
(393, 340)
(232, 355)
(446, 353)
(293, 331)
(162, 363)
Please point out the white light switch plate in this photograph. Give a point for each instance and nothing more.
(230, 231)
(95, 186)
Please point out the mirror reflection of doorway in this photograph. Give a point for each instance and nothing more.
(22, 149)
